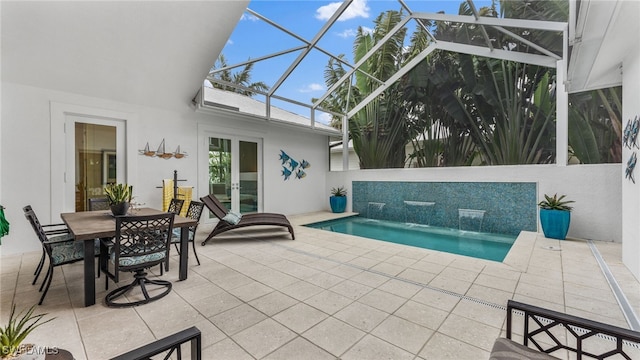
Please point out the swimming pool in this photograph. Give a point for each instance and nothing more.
(486, 246)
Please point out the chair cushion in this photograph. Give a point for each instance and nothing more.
(128, 261)
(505, 349)
(63, 252)
(60, 238)
(232, 217)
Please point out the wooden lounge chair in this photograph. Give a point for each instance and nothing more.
(220, 211)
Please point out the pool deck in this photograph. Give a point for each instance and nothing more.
(259, 295)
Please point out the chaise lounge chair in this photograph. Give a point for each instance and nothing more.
(220, 211)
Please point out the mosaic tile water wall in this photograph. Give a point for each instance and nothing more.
(504, 208)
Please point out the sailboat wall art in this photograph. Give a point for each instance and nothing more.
(146, 151)
(179, 154)
(162, 153)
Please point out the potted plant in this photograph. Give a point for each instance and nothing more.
(555, 216)
(16, 330)
(119, 196)
(338, 199)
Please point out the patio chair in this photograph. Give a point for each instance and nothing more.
(54, 230)
(220, 211)
(175, 206)
(545, 332)
(141, 242)
(60, 249)
(191, 338)
(193, 212)
(99, 203)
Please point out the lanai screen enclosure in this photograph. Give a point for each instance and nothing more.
(402, 87)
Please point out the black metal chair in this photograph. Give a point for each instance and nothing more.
(175, 206)
(193, 212)
(94, 204)
(99, 203)
(167, 346)
(546, 333)
(51, 230)
(60, 249)
(141, 242)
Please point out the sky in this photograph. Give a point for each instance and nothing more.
(253, 38)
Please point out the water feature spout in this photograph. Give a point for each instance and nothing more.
(418, 212)
(470, 219)
(374, 210)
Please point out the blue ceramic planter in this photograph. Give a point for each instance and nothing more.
(555, 223)
(338, 203)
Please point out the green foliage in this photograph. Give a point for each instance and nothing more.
(555, 203)
(512, 119)
(219, 166)
(339, 191)
(438, 139)
(595, 129)
(458, 109)
(242, 78)
(378, 131)
(118, 193)
(582, 138)
(17, 329)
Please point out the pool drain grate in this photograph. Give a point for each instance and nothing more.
(626, 308)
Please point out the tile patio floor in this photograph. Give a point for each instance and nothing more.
(260, 295)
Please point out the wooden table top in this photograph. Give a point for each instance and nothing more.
(87, 225)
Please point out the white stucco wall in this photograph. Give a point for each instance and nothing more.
(336, 160)
(295, 195)
(631, 191)
(596, 189)
(27, 165)
(290, 196)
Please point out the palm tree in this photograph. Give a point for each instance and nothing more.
(455, 109)
(437, 138)
(595, 129)
(505, 108)
(242, 78)
(378, 131)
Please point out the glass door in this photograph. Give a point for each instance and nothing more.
(247, 176)
(95, 161)
(234, 172)
(220, 170)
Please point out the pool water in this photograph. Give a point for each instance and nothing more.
(486, 246)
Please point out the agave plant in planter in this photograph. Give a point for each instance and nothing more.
(555, 216)
(338, 199)
(119, 196)
(17, 329)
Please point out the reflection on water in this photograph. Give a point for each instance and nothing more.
(480, 245)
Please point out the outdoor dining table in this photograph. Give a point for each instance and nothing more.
(89, 225)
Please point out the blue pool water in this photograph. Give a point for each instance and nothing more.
(476, 244)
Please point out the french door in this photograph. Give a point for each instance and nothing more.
(234, 171)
